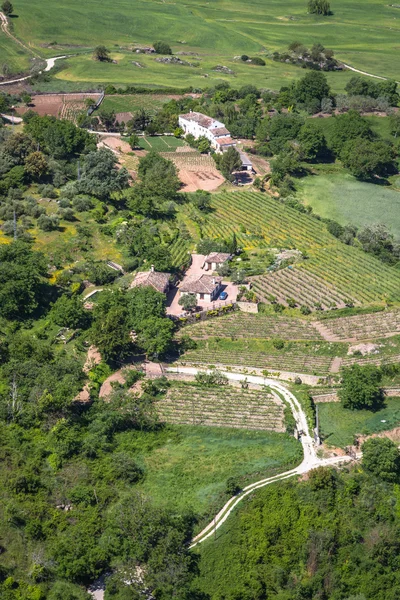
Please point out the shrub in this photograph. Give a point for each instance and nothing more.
(232, 487)
(162, 48)
(256, 60)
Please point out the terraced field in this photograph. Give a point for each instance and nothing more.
(261, 221)
(291, 361)
(245, 325)
(221, 406)
(371, 360)
(307, 290)
(364, 327)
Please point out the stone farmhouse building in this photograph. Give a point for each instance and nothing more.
(200, 125)
(205, 287)
(159, 281)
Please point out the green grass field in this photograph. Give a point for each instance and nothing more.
(338, 425)
(13, 55)
(364, 34)
(134, 102)
(189, 468)
(341, 197)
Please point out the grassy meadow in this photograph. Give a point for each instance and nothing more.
(338, 425)
(13, 55)
(187, 467)
(341, 197)
(364, 34)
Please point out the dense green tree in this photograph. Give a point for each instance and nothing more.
(312, 142)
(159, 175)
(133, 141)
(378, 240)
(19, 146)
(101, 54)
(364, 86)
(63, 590)
(366, 159)
(144, 302)
(188, 301)
(7, 8)
(110, 330)
(201, 199)
(319, 7)
(59, 138)
(313, 85)
(36, 165)
(107, 118)
(230, 162)
(348, 127)
(22, 278)
(155, 335)
(381, 457)
(48, 223)
(162, 48)
(69, 312)
(361, 387)
(100, 175)
(100, 273)
(280, 129)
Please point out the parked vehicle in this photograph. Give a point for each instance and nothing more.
(223, 296)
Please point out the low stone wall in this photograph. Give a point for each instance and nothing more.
(333, 396)
(249, 307)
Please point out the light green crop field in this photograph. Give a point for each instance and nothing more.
(364, 34)
(339, 425)
(190, 468)
(341, 197)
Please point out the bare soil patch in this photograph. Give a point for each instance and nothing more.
(57, 105)
(200, 180)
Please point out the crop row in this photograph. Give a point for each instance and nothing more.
(344, 268)
(371, 360)
(245, 325)
(298, 284)
(299, 363)
(361, 327)
(222, 407)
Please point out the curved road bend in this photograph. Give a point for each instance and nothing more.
(310, 459)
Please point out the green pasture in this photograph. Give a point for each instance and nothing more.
(187, 467)
(134, 102)
(339, 425)
(379, 125)
(13, 55)
(364, 34)
(341, 197)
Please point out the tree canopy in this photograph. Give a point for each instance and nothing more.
(23, 274)
(381, 457)
(361, 387)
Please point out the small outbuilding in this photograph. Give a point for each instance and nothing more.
(215, 259)
(159, 281)
(206, 287)
(247, 165)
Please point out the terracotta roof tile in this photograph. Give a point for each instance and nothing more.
(157, 280)
(203, 284)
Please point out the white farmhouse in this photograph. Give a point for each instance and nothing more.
(200, 125)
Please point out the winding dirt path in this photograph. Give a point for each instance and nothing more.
(310, 459)
(49, 61)
(366, 73)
